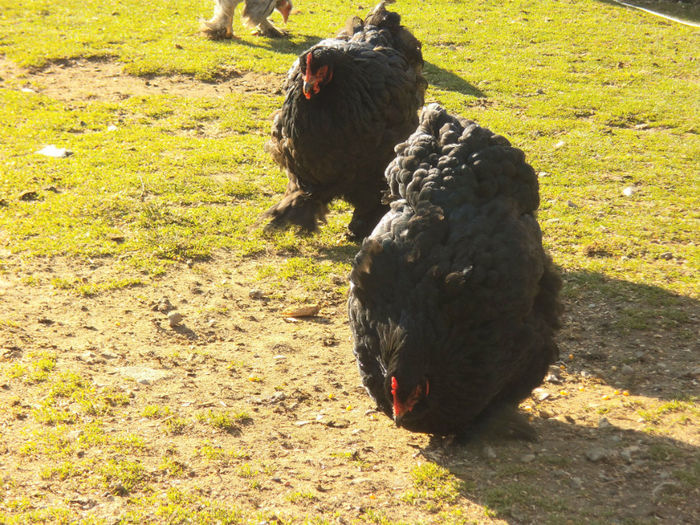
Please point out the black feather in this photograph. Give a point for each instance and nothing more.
(458, 265)
(337, 143)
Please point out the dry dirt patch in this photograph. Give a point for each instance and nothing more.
(98, 80)
(312, 444)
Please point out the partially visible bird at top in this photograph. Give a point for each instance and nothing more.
(453, 301)
(349, 100)
(255, 15)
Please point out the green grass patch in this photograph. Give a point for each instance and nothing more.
(224, 420)
(433, 487)
(596, 110)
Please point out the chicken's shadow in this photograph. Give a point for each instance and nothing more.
(294, 45)
(443, 79)
(574, 471)
(633, 336)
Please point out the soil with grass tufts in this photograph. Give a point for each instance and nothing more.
(237, 413)
(101, 80)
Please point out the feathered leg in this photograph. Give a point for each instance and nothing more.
(220, 25)
(369, 209)
(255, 16)
(297, 207)
(266, 28)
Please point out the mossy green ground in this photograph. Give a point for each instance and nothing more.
(604, 101)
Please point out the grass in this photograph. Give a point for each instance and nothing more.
(597, 110)
(599, 97)
(224, 420)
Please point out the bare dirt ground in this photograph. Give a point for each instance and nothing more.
(612, 446)
(98, 80)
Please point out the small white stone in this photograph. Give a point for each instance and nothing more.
(174, 318)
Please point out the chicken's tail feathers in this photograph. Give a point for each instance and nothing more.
(297, 208)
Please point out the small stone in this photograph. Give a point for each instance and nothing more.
(666, 256)
(91, 358)
(163, 305)
(596, 454)
(551, 378)
(489, 452)
(629, 191)
(576, 483)
(627, 452)
(559, 144)
(604, 423)
(527, 458)
(174, 318)
(627, 369)
(256, 294)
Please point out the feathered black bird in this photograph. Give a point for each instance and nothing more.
(453, 302)
(349, 101)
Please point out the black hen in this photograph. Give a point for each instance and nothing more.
(349, 101)
(453, 301)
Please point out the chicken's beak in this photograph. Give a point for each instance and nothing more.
(308, 88)
(285, 9)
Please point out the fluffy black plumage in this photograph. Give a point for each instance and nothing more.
(349, 101)
(453, 302)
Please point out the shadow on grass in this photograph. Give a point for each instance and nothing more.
(290, 46)
(633, 336)
(576, 474)
(443, 79)
(434, 74)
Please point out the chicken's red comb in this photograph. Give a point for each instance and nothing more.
(398, 407)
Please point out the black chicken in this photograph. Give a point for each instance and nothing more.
(349, 101)
(453, 301)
